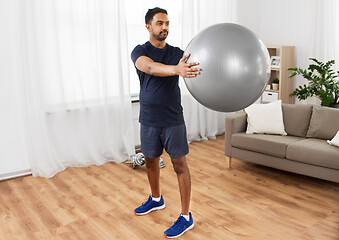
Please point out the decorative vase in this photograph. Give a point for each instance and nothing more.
(275, 86)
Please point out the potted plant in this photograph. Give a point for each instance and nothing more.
(322, 83)
(275, 83)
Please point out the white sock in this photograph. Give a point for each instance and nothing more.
(156, 199)
(187, 217)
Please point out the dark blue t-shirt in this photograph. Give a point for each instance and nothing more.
(160, 100)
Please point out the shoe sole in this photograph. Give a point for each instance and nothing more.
(151, 210)
(189, 228)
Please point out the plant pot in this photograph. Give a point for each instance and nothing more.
(275, 86)
(334, 105)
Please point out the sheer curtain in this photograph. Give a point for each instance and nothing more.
(201, 122)
(324, 35)
(75, 83)
(326, 30)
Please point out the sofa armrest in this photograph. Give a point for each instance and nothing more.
(234, 123)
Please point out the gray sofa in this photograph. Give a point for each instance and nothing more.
(304, 150)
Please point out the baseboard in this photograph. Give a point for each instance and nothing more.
(15, 174)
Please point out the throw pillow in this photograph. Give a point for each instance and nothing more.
(335, 140)
(265, 118)
(324, 123)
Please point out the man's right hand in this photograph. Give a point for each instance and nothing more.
(186, 70)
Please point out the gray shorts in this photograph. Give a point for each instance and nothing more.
(155, 139)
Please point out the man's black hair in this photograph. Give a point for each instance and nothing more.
(151, 12)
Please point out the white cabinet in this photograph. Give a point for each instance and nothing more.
(268, 96)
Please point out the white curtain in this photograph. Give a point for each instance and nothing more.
(325, 45)
(201, 122)
(76, 83)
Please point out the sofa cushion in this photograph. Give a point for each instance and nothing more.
(265, 118)
(314, 151)
(297, 118)
(324, 123)
(274, 145)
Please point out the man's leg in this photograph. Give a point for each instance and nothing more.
(151, 146)
(175, 143)
(184, 180)
(153, 173)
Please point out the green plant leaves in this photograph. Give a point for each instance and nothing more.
(321, 82)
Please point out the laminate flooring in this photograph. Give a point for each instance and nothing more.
(248, 201)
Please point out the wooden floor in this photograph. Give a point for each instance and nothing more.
(245, 202)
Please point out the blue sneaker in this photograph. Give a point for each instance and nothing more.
(179, 227)
(149, 206)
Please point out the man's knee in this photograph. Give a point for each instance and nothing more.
(179, 165)
(151, 161)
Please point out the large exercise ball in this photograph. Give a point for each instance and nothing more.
(235, 67)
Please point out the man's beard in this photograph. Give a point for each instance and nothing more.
(159, 37)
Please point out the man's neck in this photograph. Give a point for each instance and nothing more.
(157, 43)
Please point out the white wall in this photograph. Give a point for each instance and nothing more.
(279, 22)
(248, 14)
(13, 148)
(288, 22)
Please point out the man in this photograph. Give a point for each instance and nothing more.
(159, 66)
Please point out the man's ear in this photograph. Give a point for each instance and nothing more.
(148, 26)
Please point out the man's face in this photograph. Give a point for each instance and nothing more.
(159, 26)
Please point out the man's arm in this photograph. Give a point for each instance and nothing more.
(183, 69)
